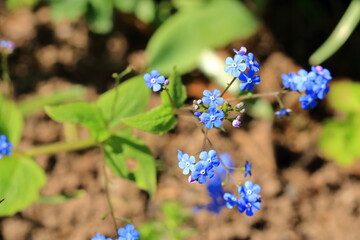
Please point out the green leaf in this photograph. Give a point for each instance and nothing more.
(20, 182)
(125, 6)
(11, 120)
(344, 96)
(99, 15)
(181, 39)
(15, 4)
(159, 120)
(341, 33)
(128, 99)
(176, 90)
(38, 102)
(84, 113)
(120, 148)
(61, 198)
(261, 109)
(67, 9)
(339, 139)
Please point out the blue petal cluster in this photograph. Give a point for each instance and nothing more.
(203, 169)
(210, 113)
(6, 46)
(155, 81)
(127, 233)
(247, 168)
(5, 146)
(315, 84)
(283, 112)
(239, 64)
(249, 200)
(215, 186)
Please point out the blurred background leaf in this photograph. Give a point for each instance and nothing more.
(181, 39)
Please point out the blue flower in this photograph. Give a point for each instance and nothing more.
(186, 163)
(212, 118)
(100, 237)
(242, 51)
(212, 98)
(247, 167)
(319, 70)
(248, 81)
(251, 63)
(231, 200)
(245, 204)
(283, 112)
(308, 101)
(128, 233)
(154, 80)
(304, 80)
(5, 146)
(288, 81)
(250, 191)
(210, 157)
(236, 65)
(321, 87)
(7, 46)
(203, 170)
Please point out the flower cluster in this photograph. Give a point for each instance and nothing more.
(201, 171)
(127, 233)
(239, 64)
(315, 84)
(155, 81)
(6, 46)
(215, 186)
(249, 200)
(5, 146)
(210, 111)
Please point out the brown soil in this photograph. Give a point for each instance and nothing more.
(304, 196)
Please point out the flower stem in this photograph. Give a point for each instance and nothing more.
(170, 98)
(228, 86)
(108, 198)
(60, 147)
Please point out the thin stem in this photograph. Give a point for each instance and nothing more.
(117, 82)
(60, 147)
(228, 86)
(204, 141)
(170, 98)
(279, 101)
(108, 198)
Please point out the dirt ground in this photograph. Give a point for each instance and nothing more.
(304, 195)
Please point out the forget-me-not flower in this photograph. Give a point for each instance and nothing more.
(236, 65)
(203, 170)
(128, 233)
(212, 98)
(186, 162)
(5, 146)
(212, 118)
(210, 157)
(154, 80)
(248, 80)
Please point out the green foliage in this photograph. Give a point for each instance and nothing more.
(182, 38)
(67, 9)
(124, 146)
(11, 120)
(340, 136)
(169, 225)
(159, 120)
(15, 4)
(341, 33)
(261, 109)
(145, 10)
(20, 182)
(61, 198)
(128, 99)
(84, 113)
(60, 96)
(176, 90)
(100, 15)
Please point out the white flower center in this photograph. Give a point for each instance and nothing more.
(202, 172)
(234, 65)
(209, 160)
(249, 192)
(212, 98)
(187, 164)
(212, 118)
(153, 80)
